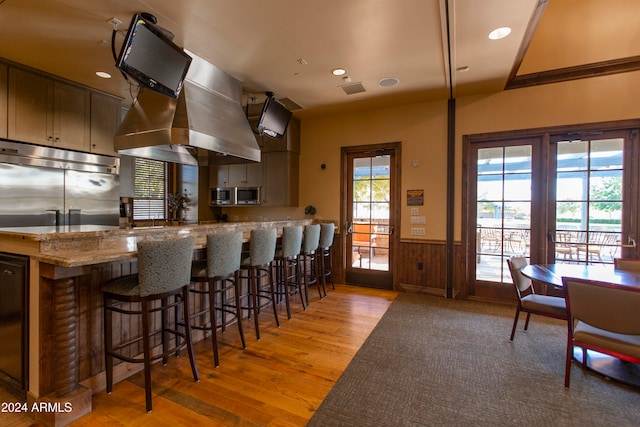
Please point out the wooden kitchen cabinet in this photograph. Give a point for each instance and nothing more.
(236, 175)
(245, 175)
(105, 119)
(276, 174)
(3, 100)
(47, 112)
(280, 178)
(219, 176)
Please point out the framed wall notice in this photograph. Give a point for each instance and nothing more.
(415, 197)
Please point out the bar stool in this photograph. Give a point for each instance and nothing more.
(258, 267)
(217, 276)
(327, 230)
(286, 265)
(310, 243)
(164, 268)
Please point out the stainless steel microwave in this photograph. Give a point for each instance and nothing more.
(223, 196)
(247, 195)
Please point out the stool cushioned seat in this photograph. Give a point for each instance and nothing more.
(310, 243)
(288, 280)
(258, 268)
(214, 277)
(327, 231)
(163, 276)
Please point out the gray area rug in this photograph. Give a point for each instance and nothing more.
(437, 362)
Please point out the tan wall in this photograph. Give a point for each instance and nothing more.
(422, 129)
(590, 100)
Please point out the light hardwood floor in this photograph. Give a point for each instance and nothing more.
(278, 381)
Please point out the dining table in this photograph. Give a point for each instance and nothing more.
(552, 274)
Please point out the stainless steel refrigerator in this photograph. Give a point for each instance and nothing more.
(46, 186)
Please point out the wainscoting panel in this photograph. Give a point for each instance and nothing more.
(421, 267)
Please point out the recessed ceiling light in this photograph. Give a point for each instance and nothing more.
(499, 33)
(338, 71)
(388, 82)
(103, 74)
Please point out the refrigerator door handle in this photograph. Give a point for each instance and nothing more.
(74, 216)
(58, 216)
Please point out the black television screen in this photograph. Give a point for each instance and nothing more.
(152, 59)
(274, 118)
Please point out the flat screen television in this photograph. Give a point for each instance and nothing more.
(274, 118)
(152, 59)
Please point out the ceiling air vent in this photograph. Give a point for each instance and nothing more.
(353, 88)
(290, 104)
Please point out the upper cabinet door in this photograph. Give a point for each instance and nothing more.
(3, 100)
(105, 118)
(245, 175)
(280, 178)
(47, 112)
(71, 117)
(30, 107)
(219, 176)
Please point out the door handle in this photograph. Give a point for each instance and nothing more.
(348, 227)
(631, 243)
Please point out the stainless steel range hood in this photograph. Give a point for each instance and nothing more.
(205, 123)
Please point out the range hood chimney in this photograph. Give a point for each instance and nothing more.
(205, 122)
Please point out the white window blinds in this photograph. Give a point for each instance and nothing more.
(149, 189)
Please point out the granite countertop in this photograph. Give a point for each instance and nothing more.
(75, 246)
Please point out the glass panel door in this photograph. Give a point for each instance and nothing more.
(588, 208)
(503, 209)
(552, 198)
(369, 218)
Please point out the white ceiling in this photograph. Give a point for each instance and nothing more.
(260, 42)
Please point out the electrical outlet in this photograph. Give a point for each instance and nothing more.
(417, 220)
(417, 231)
(414, 211)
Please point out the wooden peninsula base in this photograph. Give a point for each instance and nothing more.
(67, 268)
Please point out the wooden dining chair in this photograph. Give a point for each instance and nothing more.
(528, 300)
(603, 317)
(626, 264)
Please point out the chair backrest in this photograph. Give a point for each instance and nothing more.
(262, 248)
(327, 231)
(627, 264)
(607, 306)
(520, 282)
(291, 241)
(224, 252)
(311, 239)
(164, 265)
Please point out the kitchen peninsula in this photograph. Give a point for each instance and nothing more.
(66, 269)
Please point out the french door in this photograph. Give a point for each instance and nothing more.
(563, 198)
(504, 201)
(369, 207)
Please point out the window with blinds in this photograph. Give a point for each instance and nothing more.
(149, 189)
